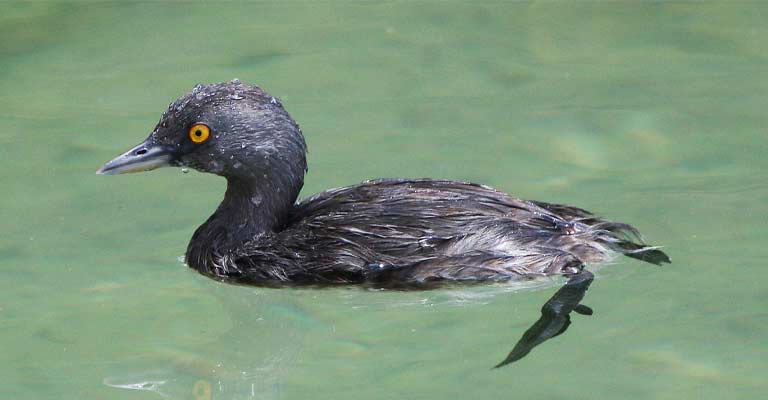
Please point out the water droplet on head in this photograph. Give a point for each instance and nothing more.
(215, 167)
(235, 81)
(236, 96)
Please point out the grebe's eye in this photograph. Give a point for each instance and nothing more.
(199, 133)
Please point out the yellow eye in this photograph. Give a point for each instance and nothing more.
(199, 133)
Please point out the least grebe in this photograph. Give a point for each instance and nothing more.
(385, 232)
(399, 233)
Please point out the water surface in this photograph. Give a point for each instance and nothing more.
(652, 114)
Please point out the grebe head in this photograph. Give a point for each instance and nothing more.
(230, 129)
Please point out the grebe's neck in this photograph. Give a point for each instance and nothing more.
(251, 208)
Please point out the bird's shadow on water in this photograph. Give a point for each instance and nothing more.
(181, 374)
(555, 316)
(555, 313)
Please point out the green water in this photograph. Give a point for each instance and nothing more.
(653, 114)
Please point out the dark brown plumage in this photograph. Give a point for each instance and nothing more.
(389, 232)
(403, 233)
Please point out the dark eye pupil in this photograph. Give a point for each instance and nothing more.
(198, 133)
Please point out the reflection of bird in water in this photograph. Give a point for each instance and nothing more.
(389, 232)
(226, 362)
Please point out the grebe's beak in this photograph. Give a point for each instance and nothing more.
(144, 157)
